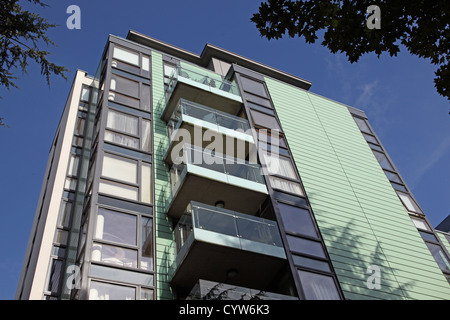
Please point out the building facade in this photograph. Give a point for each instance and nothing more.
(174, 175)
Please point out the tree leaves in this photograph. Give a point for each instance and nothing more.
(423, 27)
(21, 33)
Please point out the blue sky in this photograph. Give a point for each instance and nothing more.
(396, 93)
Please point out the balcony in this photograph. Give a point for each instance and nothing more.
(223, 245)
(209, 290)
(208, 177)
(232, 132)
(202, 86)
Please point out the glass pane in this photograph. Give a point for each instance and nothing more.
(108, 291)
(64, 214)
(146, 294)
(279, 166)
(121, 139)
(147, 243)
(146, 183)
(297, 220)
(382, 159)
(362, 124)
(398, 187)
(439, 256)
(114, 255)
(311, 263)
(428, 236)
(118, 189)
(145, 63)
(169, 69)
(420, 224)
(124, 85)
(305, 246)
(408, 202)
(145, 97)
(258, 100)
(318, 287)
(119, 168)
(146, 135)
(126, 56)
(73, 165)
(85, 94)
(115, 226)
(259, 230)
(253, 86)
(370, 138)
(215, 221)
(393, 176)
(115, 274)
(285, 185)
(55, 276)
(264, 120)
(120, 98)
(122, 122)
(61, 236)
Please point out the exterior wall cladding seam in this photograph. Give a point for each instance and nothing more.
(359, 214)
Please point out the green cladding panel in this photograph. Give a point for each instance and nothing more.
(359, 214)
(165, 254)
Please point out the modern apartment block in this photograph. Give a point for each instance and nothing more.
(174, 175)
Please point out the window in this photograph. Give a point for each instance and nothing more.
(285, 185)
(370, 138)
(124, 85)
(118, 190)
(73, 165)
(305, 246)
(393, 176)
(420, 224)
(146, 136)
(439, 256)
(311, 263)
(119, 168)
(408, 202)
(147, 243)
(64, 214)
(122, 122)
(318, 287)
(398, 187)
(114, 255)
(279, 166)
(145, 97)
(261, 101)
(85, 94)
(145, 63)
(169, 69)
(263, 120)
(121, 139)
(108, 291)
(297, 220)
(116, 227)
(254, 87)
(55, 276)
(362, 124)
(126, 56)
(382, 159)
(146, 184)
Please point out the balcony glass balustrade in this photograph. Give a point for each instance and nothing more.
(219, 167)
(204, 77)
(209, 290)
(249, 232)
(210, 115)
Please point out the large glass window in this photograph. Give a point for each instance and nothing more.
(383, 160)
(115, 226)
(114, 255)
(126, 56)
(118, 190)
(279, 166)
(297, 220)
(108, 291)
(318, 286)
(122, 122)
(439, 256)
(305, 246)
(124, 85)
(263, 120)
(285, 185)
(254, 87)
(362, 124)
(119, 168)
(408, 202)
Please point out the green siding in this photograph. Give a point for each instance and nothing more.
(165, 254)
(360, 217)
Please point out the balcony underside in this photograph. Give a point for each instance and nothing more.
(202, 94)
(205, 260)
(234, 143)
(238, 194)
